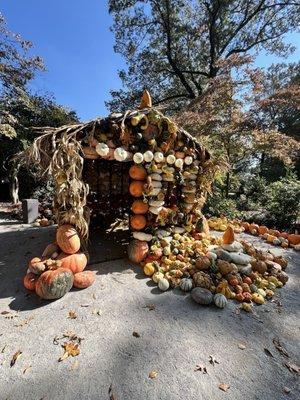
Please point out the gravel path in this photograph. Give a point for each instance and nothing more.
(175, 335)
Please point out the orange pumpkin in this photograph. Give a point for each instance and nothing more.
(245, 225)
(138, 222)
(284, 235)
(274, 232)
(270, 238)
(253, 226)
(29, 281)
(239, 297)
(138, 172)
(137, 250)
(136, 188)
(228, 236)
(54, 284)
(139, 207)
(262, 230)
(233, 282)
(74, 262)
(294, 239)
(84, 279)
(67, 238)
(247, 296)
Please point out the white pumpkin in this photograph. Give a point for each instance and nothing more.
(156, 177)
(179, 163)
(138, 158)
(155, 191)
(156, 203)
(178, 229)
(220, 300)
(148, 156)
(171, 159)
(155, 210)
(120, 154)
(144, 237)
(188, 160)
(159, 157)
(157, 276)
(162, 233)
(163, 284)
(102, 149)
(156, 184)
(186, 284)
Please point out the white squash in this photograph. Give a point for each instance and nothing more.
(102, 149)
(156, 177)
(163, 284)
(155, 210)
(138, 158)
(171, 159)
(179, 163)
(120, 154)
(156, 203)
(148, 156)
(156, 184)
(159, 157)
(155, 191)
(144, 237)
(188, 160)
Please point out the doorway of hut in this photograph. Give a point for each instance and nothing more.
(109, 204)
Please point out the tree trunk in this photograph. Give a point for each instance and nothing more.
(227, 187)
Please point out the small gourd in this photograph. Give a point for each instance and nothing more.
(258, 298)
(149, 269)
(220, 300)
(158, 157)
(138, 158)
(148, 156)
(186, 284)
(120, 154)
(157, 276)
(188, 160)
(146, 237)
(171, 159)
(202, 296)
(163, 284)
(102, 149)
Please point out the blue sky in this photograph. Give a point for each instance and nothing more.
(74, 40)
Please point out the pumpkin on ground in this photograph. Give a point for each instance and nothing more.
(186, 284)
(138, 222)
(294, 239)
(137, 172)
(262, 230)
(67, 239)
(29, 281)
(163, 284)
(202, 296)
(228, 236)
(84, 279)
(139, 207)
(137, 250)
(220, 300)
(136, 188)
(54, 284)
(74, 262)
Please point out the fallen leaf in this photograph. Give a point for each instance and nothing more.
(84, 305)
(224, 387)
(213, 361)
(96, 311)
(25, 322)
(268, 353)
(5, 312)
(150, 307)
(74, 365)
(3, 348)
(280, 347)
(241, 346)
(72, 315)
(286, 390)
(73, 337)
(201, 368)
(111, 394)
(292, 367)
(136, 334)
(71, 349)
(15, 357)
(56, 340)
(153, 374)
(26, 369)
(94, 296)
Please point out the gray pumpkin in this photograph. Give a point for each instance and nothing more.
(220, 300)
(202, 296)
(186, 284)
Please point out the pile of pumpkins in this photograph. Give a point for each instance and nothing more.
(272, 236)
(213, 269)
(60, 267)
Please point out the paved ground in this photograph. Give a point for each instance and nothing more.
(174, 337)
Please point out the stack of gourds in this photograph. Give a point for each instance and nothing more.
(61, 266)
(272, 236)
(213, 269)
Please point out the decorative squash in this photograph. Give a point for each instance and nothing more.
(137, 250)
(294, 239)
(155, 254)
(144, 237)
(138, 222)
(258, 298)
(202, 296)
(202, 263)
(74, 262)
(137, 172)
(246, 226)
(136, 188)
(270, 238)
(247, 296)
(220, 300)
(262, 230)
(163, 284)
(54, 284)
(84, 279)
(186, 284)
(67, 238)
(259, 266)
(139, 207)
(225, 267)
(274, 232)
(157, 276)
(228, 236)
(253, 227)
(149, 269)
(29, 281)
(36, 266)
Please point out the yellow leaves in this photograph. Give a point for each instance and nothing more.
(72, 315)
(26, 369)
(153, 374)
(71, 350)
(15, 358)
(224, 387)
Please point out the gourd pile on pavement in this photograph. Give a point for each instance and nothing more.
(272, 236)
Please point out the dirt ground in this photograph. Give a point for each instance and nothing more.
(173, 334)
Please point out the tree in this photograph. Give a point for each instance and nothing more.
(174, 47)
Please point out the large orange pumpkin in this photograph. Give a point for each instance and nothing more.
(84, 279)
(138, 172)
(139, 207)
(294, 239)
(54, 284)
(228, 236)
(138, 222)
(137, 250)
(29, 281)
(74, 262)
(263, 230)
(136, 188)
(67, 238)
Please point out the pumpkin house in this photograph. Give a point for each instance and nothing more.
(137, 164)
